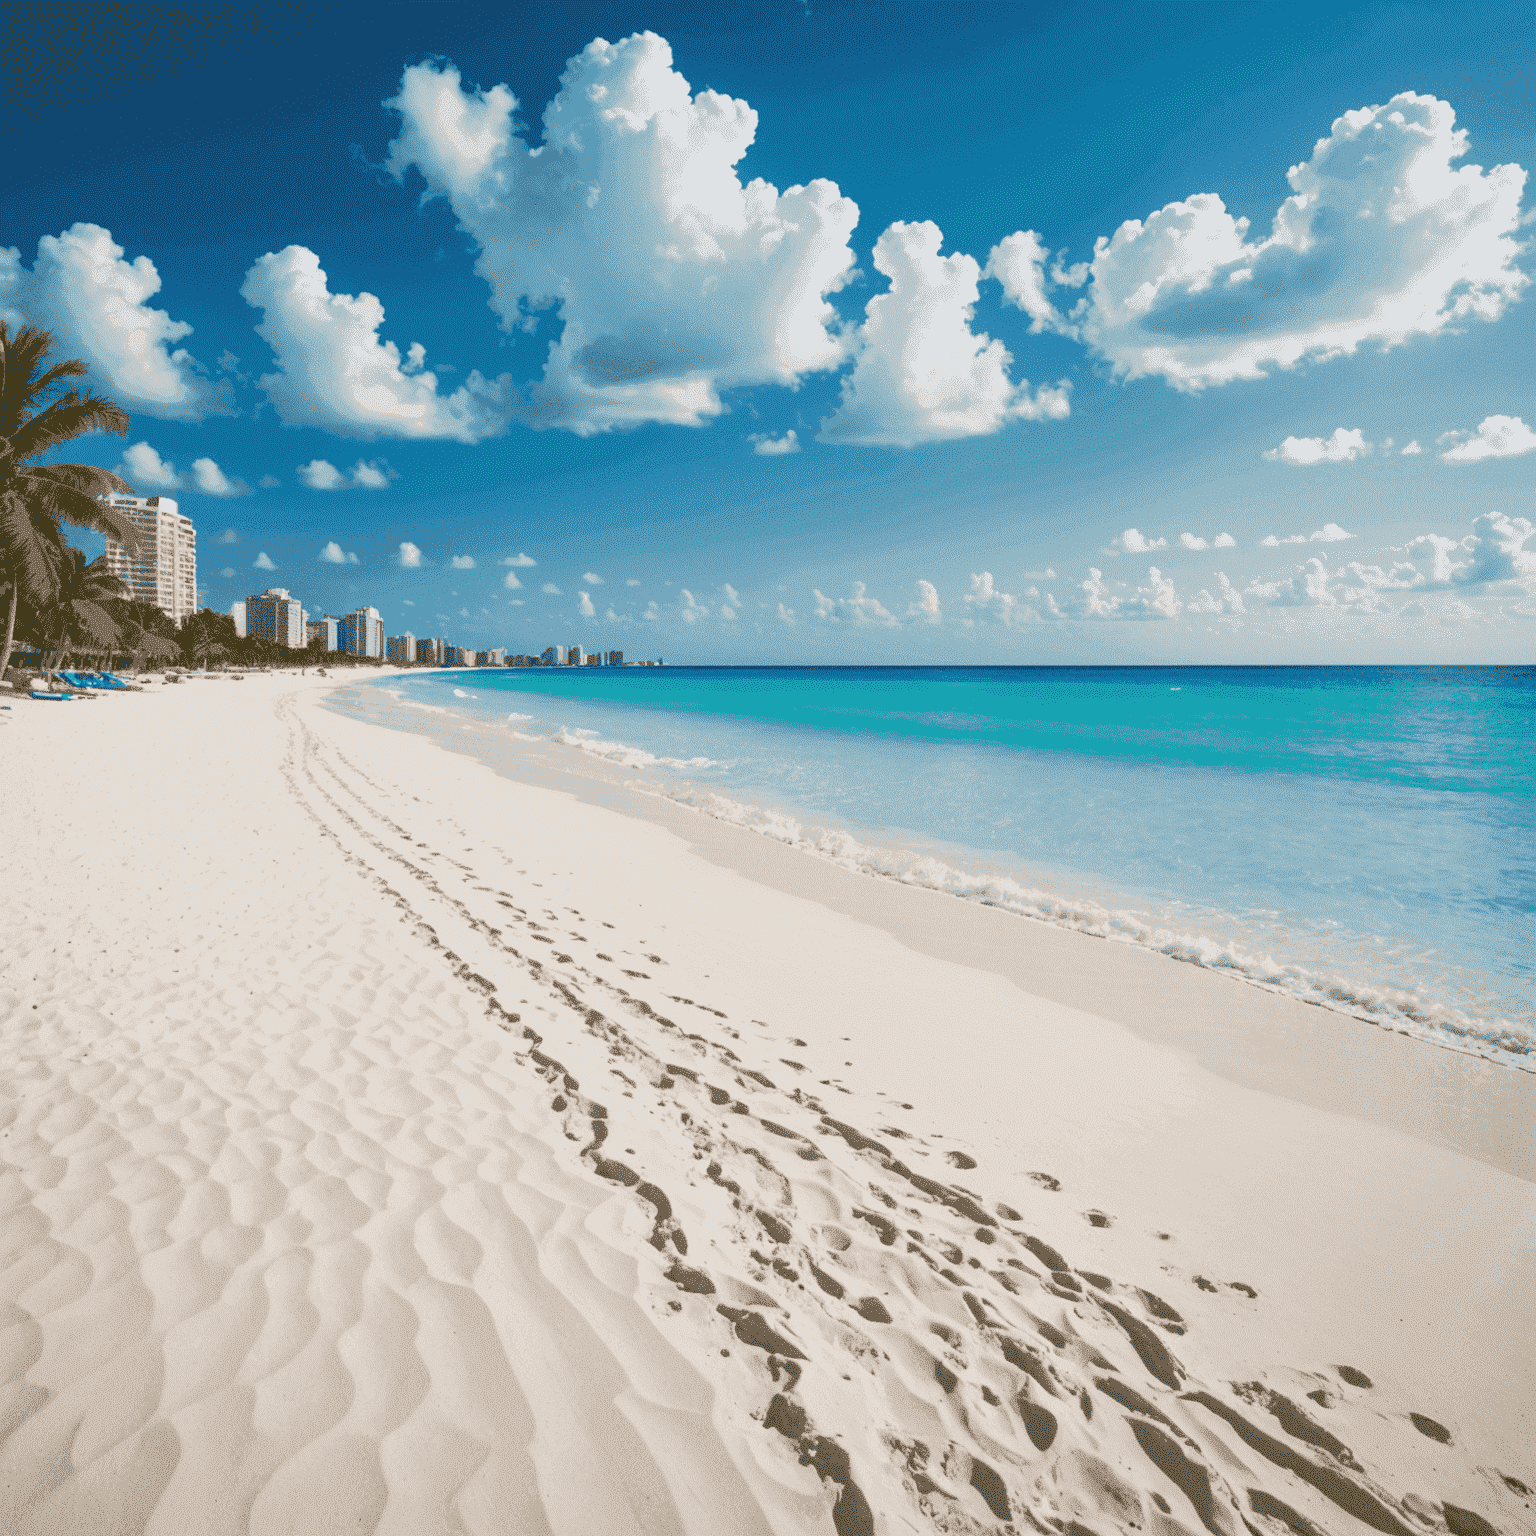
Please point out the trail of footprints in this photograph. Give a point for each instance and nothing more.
(902, 1339)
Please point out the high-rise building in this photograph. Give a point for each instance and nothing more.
(577, 656)
(237, 613)
(361, 633)
(276, 616)
(554, 656)
(497, 657)
(613, 658)
(401, 649)
(429, 653)
(326, 630)
(164, 572)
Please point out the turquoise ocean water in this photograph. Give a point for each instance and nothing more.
(1361, 837)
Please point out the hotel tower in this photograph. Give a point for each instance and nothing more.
(165, 571)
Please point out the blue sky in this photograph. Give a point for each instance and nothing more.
(620, 329)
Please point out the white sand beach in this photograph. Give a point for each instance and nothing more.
(414, 1140)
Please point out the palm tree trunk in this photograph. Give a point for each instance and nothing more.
(10, 630)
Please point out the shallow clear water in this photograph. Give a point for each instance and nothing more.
(1363, 837)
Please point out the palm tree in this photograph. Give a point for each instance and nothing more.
(37, 500)
(74, 616)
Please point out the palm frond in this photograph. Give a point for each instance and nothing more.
(20, 357)
(70, 416)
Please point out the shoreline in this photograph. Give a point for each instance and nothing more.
(377, 1127)
(1324, 1064)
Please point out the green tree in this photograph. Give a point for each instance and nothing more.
(38, 500)
(144, 630)
(74, 615)
(207, 636)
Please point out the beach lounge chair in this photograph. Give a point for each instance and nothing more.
(48, 693)
(82, 680)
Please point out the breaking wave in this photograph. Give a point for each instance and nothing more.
(623, 754)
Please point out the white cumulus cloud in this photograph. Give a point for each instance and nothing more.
(1412, 449)
(1497, 437)
(264, 562)
(786, 615)
(462, 563)
(768, 446)
(1344, 445)
(585, 607)
(1103, 599)
(510, 581)
(1329, 533)
(82, 289)
(858, 608)
(1493, 553)
(986, 598)
(552, 590)
(1227, 599)
(592, 579)
(144, 469)
(408, 556)
(522, 562)
(922, 374)
(334, 371)
(321, 475)
(229, 536)
(692, 609)
(1134, 542)
(334, 554)
(1383, 238)
(1018, 263)
(927, 606)
(671, 279)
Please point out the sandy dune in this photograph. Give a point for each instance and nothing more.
(388, 1146)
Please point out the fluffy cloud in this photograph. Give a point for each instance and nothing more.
(1101, 600)
(1344, 445)
(321, 475)
(1134, 542)
(1018, 263)
(408, 556)
(985, 598)
(859, 608)
(926, 607)
(510, 581)
(692, 609)
(1412, 449)
(922, 374)
(592, 579)
(786, 615)
(732, 601)
(1227, 599)
(1497, 437)
(1495, 553)
(462, 563)
(93, 301)
(335, 372)
(1329, 533)
(208, 478)
(672, 280)
(585, 607)
(1381, 239)
(229, 536)
(522, 562)
(263, 562)
(334, 554)
(773, 447)
(143, 467)
(551, 590)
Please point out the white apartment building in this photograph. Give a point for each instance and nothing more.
(326, 630)
(401, 649)
(361, 633)
(237, 613)
(275, 615)
(165, 572)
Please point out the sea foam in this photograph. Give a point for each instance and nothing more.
(1404, 1011)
